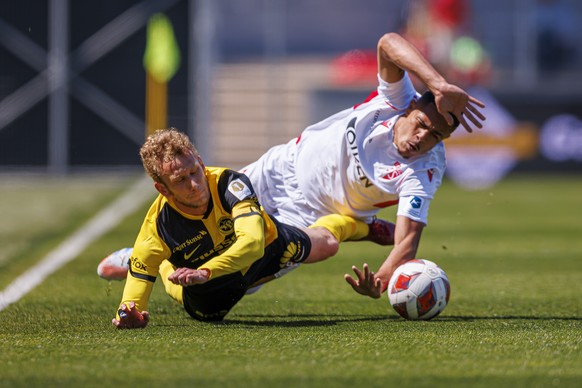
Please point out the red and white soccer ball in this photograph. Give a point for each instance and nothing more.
(419, 290)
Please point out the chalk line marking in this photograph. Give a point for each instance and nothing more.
(69, 249)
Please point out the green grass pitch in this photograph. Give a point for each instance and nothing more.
(513, 254)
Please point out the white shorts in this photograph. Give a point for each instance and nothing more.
(274, 181)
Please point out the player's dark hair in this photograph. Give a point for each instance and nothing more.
(428, 98)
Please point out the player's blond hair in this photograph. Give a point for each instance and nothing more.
(163, 146)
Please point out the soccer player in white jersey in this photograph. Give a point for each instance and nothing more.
(385, 151)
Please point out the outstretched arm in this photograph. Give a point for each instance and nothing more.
(132, 311)
(406, 241)
(396, 55)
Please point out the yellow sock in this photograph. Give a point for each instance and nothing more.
(343, 227)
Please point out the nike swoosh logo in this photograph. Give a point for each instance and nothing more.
(188, 255)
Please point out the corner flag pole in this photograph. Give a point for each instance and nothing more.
(161, 61)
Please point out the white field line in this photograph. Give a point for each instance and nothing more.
(69, 249)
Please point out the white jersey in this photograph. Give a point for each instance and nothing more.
(348, 164)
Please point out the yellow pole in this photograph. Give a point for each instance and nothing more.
(156, 104)
(161, 61)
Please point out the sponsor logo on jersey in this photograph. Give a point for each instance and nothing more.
(353, 148)
(217, 250)
(239, 189)
(190, 241)
(188, 255)
(416, 202)
(393, 172)
(138, 264)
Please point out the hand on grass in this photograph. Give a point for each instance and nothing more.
(366, 283)
(131, 318)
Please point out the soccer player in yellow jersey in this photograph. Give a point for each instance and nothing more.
(208, 239)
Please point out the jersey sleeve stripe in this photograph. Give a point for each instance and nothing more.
(142, 276)
(370, 97)
(248, 214)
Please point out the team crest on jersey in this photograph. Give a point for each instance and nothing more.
(239, 189)
(225, 225)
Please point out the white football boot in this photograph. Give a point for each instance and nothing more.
(116, 265)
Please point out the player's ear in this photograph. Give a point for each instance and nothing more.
(162, 189)
(412, 106)
(201, 162)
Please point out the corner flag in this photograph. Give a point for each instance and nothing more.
(161, 62)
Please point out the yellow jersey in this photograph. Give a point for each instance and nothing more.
(228, 238)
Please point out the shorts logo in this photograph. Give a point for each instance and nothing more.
(239, 189)
(290, 254)
(416, 202)
(225, 225)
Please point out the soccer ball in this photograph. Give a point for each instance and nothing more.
(419, 290)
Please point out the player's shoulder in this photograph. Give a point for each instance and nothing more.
(432, 165)
(397, 95)
(215, 173)
(437, 155)
(232, 187)
(225, 177)
(222, 177)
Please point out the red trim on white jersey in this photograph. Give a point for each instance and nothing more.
(368, 99)
(382, 205)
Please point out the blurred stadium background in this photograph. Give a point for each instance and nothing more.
(77, 93)
(81, 83)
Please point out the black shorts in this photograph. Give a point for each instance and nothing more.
(213, 300)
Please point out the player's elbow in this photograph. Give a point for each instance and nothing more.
(388, 40)
(256, 246)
